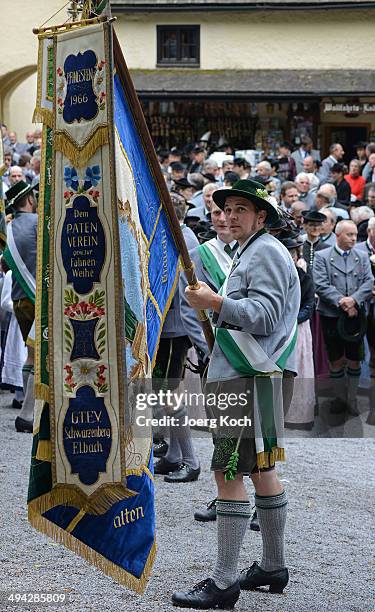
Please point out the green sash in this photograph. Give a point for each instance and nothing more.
(249, 359)
(215, 261)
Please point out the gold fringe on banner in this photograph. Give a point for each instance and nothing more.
(99, 503)
(91, 556)
(268, 459)
(43, 115)
(79, 156)
(44, 451)
(41, 391)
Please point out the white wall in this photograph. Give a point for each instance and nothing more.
(294, 40)
(18, 44)
(21, 107)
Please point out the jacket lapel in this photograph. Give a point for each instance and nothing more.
(337, 261)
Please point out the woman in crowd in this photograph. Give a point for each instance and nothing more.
(356, 181)
(301, 412)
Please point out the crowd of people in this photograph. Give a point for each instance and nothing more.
(323, 202)
(295, 237)
(22, 159)
(326, 222)
(328, 226)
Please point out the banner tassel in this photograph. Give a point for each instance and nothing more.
(80, 156)
(91, 556)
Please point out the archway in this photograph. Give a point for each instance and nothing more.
(16, 110)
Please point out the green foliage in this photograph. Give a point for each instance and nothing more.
(231, 468)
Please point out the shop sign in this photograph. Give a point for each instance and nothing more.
(348, 108)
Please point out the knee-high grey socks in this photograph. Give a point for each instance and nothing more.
(232, 521)
(272, 512)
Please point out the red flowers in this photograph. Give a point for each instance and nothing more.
(69, 381)
(94, 194)
(84, 310)
(101, 381)
(101, 64)
(59, 72)
(68, 194)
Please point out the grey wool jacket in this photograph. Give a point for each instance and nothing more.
(25, 226)
(336, 277)
(262, 298)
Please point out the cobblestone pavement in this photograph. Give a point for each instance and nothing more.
(330, 534)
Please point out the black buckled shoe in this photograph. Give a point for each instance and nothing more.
(338, 406)
(23, 425)
(183, 474)
(163, 466)
(160, 448)
(206, 595)
(254, 523)
(208, 514)
(255, 577)
(16, 404)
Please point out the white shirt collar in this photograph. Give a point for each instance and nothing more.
(340, 250)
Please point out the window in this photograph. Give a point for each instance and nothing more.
(178, 45)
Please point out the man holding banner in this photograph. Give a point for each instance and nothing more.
(20, 255)
(256, 322)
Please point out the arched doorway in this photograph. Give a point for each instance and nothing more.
(17, 99)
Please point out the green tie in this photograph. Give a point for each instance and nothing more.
(229, 250)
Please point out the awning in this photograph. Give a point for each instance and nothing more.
(253, 83)
(172, 6)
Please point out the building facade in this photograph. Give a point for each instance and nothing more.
(252, 73)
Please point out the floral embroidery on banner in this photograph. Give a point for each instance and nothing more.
(81, 310)
(77, 185)
(86, 372)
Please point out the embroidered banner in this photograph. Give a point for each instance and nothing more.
(41, 299)
(107, 268)
(148, 256)
(45, 86)
(82, 93)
